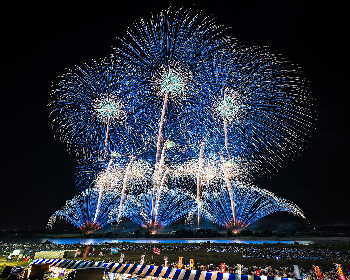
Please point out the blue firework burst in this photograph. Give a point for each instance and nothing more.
(171, 205)
(85, 211)
(259, 108)
(171, 51)
(180, 103)
(93, 112)
(249, 205)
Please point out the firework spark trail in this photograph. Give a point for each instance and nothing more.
(225, 130)
(229, 188)
(160, 132)
(118, 177)
(106, 137)
(199, 174)
(158, 195)
(226, 138)
(157, 183)
(101, 188)
(125, 184)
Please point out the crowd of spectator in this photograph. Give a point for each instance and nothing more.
(278, 252)
(29, 249)
(163, 247)
(283, 252)
(247, 251)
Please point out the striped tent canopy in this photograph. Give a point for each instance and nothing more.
(154, 271)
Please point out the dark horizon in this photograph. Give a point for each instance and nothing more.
(40, 42)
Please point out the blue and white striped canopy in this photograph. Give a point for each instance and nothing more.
(155, 271)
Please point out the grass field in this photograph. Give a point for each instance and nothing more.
(4, 263)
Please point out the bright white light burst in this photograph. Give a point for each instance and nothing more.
(174, 81)
(231, 107)
(109, 109)
(171, 82)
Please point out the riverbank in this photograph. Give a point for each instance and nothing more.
(87, 240)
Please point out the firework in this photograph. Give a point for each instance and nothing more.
(250, 205)
(173, 204)
(124, 176)
(210, 172)
(92, 110)
(137, 175)
(259, 111)
(181, 119)
(177, 78)
(170, 52)
(81, 210)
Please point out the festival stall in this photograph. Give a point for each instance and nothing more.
(151, 271)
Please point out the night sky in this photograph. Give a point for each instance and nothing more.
(38, 42)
